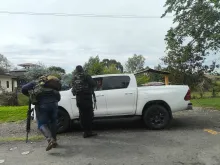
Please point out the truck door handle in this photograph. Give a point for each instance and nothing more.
(99, 95)
(129, 93)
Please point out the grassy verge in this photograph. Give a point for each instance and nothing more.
(213, 103)
(12, 113)
(10, 139)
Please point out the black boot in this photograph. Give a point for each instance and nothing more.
(46, 132)
(53, 128)
(89, 134)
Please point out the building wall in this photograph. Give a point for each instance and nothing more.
(6, 83)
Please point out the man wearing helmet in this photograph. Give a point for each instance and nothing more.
(83, 87)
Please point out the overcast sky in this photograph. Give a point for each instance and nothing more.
(69, 41)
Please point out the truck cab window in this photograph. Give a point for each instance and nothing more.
(115, 82)
(98, 84)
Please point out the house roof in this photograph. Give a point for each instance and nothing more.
(27, 64)
(212, 76)
(152, 71)
(6, 75)
(19, 70)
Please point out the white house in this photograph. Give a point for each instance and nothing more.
(8, 82)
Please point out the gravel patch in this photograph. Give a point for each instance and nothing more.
(17, 129)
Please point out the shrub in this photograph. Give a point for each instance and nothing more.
(22, 99)
(8, 98)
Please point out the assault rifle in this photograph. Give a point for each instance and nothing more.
(28, 124)
(94, 98)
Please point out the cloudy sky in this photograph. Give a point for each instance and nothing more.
(68, 41)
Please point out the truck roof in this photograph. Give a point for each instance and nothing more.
(120, 74)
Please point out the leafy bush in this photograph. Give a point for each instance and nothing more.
(142, 79)
(22, 99)
(8, 98)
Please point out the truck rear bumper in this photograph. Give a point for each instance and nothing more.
(189, 107)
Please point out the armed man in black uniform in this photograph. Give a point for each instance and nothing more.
(83, 88)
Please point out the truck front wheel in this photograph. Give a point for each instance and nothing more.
(156, 117)
(63, 121)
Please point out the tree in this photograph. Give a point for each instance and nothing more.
(110, 63)
(94, 66)
(135, 63)
(35, 72)
(197, 21)
(142, 79)
(195, 35)
(57, 69)
(111, 69)
(5, 65)
(66, 81)
(39, 70)
(155, 77)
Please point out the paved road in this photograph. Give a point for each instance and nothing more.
(194, 139)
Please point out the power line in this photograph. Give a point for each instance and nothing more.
(81, 15)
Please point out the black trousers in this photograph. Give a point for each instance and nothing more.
(86, 113)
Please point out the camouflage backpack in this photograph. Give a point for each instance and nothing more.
(44, 84)
(79, 82)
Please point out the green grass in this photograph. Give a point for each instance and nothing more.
(10, 139)
(196, 95)
(22, 99)
(12, 113)
(213, 103)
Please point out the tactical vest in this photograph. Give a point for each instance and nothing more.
(38, 89)
(80, 83)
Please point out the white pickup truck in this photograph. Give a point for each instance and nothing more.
(119, 96)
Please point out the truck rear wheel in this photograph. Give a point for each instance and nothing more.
(156, 117)
(63, 121)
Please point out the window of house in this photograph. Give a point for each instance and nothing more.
(115, 82)
(7, 83)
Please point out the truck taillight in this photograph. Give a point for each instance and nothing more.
(188, 96)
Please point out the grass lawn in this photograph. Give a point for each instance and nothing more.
(196, 95)
(207, 102)
(12, 113)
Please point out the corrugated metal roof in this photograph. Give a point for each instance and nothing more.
(152, 71)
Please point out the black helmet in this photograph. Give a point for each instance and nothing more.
(79, 68)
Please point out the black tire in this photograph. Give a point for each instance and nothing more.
(63, 121)
(156, 117)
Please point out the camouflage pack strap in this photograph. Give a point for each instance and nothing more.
(32, 97)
